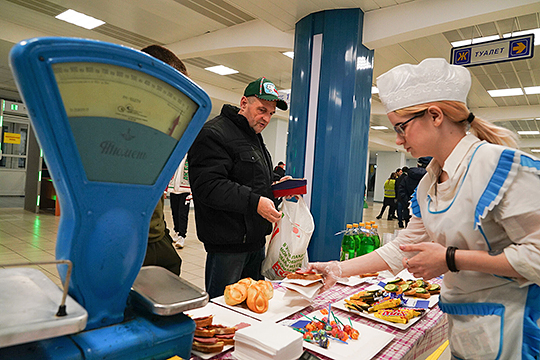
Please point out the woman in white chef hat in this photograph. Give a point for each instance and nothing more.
(476, 215)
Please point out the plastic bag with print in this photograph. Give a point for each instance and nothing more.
(287, 250)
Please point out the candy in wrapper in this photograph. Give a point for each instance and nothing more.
(386, 303)
(397, 315)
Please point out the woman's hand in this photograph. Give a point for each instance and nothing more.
(330, 271)
(428, 263)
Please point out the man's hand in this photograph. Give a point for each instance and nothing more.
(287, 177)
(267, 210)
(429, 262)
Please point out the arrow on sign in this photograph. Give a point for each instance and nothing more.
(519, 48)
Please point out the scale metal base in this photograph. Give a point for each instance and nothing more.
(29, 302)
(30, 329)
(143, 338)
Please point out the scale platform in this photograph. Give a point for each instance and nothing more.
(163, 293)
(30, 302)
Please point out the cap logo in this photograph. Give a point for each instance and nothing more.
(270, 89)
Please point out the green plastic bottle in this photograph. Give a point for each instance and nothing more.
(367, 245)
(358, 240)
(347, 244)
(376, 237)
(355, 232)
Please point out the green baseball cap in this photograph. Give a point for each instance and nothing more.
(266, 90)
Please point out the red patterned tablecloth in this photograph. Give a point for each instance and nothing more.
(425, 335)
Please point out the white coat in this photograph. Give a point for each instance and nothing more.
(491, 201)
(179, 183)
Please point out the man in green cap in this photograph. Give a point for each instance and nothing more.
(231, 173)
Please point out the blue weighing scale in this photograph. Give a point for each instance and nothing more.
(114, 124)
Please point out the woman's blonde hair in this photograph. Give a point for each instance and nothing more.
(457, 112)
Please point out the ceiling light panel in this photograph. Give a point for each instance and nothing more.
(505, 92)
(221, 70)
(76, 18)
(289, 54)
(532, 90)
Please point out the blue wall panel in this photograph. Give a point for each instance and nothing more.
(342, 128)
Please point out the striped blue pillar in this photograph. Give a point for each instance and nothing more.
(329, 122)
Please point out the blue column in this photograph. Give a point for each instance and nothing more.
(329, 122)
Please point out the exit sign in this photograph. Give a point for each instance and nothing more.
(508, 49)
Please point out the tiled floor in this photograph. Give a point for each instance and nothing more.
(29, 237)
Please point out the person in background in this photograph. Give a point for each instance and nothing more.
(180, 197)
(280, 170)
(231, 174)
(160, 250)
(409, 184)
(476, 215)
(389, 197)
(402, 205)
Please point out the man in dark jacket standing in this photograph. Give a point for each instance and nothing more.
(280, 169)
(401, 203)
(231, 173)
(409, 183)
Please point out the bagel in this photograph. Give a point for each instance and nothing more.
(256, 300)
(266, 287)
(235, 293)
(247, 281)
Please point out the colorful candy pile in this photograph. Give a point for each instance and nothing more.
(320, 331)
(386, 306)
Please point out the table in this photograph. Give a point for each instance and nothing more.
(425, 335)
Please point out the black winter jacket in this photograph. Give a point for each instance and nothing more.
(229, 170)
(410, 182)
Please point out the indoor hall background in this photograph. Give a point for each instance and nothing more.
(30, 237)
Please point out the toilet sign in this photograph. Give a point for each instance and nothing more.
(508, 49)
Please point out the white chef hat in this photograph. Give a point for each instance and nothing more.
(431, 80)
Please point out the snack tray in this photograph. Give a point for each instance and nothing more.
(369, 343)
(279, 307)
(341, 305)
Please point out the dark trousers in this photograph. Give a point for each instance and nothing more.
(406, 213)
(180, 211)
(400, 213)
(162, 253)
(388, 202)
(223, 269)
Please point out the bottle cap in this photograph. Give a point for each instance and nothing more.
(368, 227)
(361, 224)
(354, 225)
(375, 226)
(349, 226)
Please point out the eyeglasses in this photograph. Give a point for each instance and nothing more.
(400, 127)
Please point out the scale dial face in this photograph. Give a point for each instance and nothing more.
(125, 122)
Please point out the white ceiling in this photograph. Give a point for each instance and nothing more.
(250, 35)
